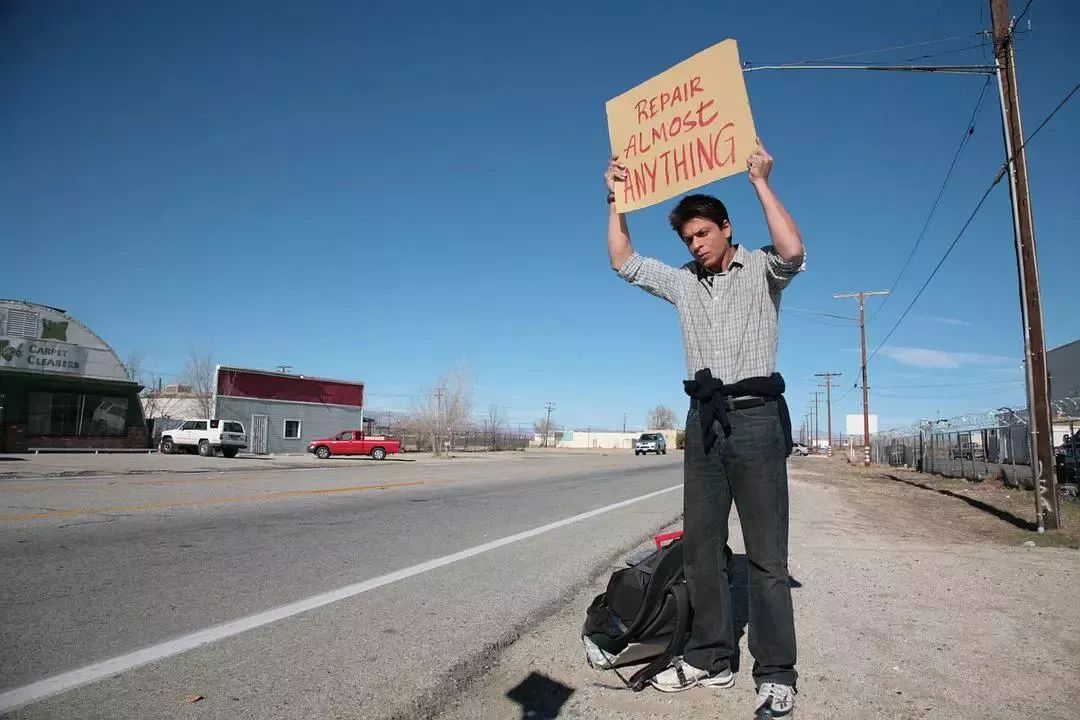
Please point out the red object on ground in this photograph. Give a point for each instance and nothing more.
(354, 442)
(667, 537)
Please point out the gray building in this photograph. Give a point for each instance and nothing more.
(1063, 364)
(284, 412)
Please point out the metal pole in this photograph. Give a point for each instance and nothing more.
(944, 69)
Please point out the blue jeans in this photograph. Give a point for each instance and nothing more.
(748, 467)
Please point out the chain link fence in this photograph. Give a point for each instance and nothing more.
(989, 453)
(995, 444)
(990, 445)
(473, 440)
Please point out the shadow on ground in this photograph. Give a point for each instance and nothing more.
(540, 697)
(1003, 515)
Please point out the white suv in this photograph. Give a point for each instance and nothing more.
(206, 436)
(651, 442)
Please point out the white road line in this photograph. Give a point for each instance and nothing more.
(122, 663)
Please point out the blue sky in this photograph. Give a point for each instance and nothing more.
(383, 190)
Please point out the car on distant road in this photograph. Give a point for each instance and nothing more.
(650, 442)
(967, 451)
(206, 436)
(1067, 458)
(799, 449)
(354, 442)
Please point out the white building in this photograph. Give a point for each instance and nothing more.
(175, 401)
(599, 439)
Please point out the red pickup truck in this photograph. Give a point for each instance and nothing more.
(353, 442)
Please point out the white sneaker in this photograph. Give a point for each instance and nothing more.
(683, 676)
(597, 658)
(775, 701)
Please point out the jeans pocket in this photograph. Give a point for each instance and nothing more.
(767, 411)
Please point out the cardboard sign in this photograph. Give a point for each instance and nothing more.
(687, 127)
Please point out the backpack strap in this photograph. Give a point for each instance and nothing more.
(668, 572)
(639, 679)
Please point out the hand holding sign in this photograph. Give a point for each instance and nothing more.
(759, 164)
(616, 173)
(684, 128)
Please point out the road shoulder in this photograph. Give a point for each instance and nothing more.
(896, 616)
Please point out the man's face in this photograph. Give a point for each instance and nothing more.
(707, 241)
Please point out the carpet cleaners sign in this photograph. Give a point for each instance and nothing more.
(684, 128)
(20, 353)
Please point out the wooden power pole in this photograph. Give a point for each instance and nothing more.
(828, 400)
(862, 295)
(1038, 385)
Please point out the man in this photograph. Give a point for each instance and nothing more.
(738, 433)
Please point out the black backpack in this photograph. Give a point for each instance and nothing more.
(643, 615)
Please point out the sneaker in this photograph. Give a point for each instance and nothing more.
(683, 676)
(596, 657)
(775, 701)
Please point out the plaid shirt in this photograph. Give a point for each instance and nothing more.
(729, 319)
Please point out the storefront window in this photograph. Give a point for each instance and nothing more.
(104, 415)
(71, 414)
(53, 414)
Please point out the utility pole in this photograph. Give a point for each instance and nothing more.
(438, 419)
(828, 400)
(547, 424)
(817, 425)
(1038, 385)
(625, 415)
(284, 369)
(862, 295)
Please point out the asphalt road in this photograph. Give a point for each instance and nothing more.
(96, 570)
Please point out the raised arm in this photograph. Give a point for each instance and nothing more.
(649, 274)
(618, 235)
(782, 229)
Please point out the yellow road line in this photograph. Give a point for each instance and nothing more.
(203, 503)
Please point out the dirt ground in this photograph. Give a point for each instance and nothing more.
(917, 598)
(994, 513)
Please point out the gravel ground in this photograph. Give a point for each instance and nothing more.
(918, 599)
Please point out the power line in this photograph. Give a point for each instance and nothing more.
(1021, 15)
(863, 53)
(934, 271)
(943, 53)
(981, 44)
(968, 132)
(967, 223)
(749, 67)
(851, 389)
(839, 59)
(950, 385)
(1040, 127)
(818, 312)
